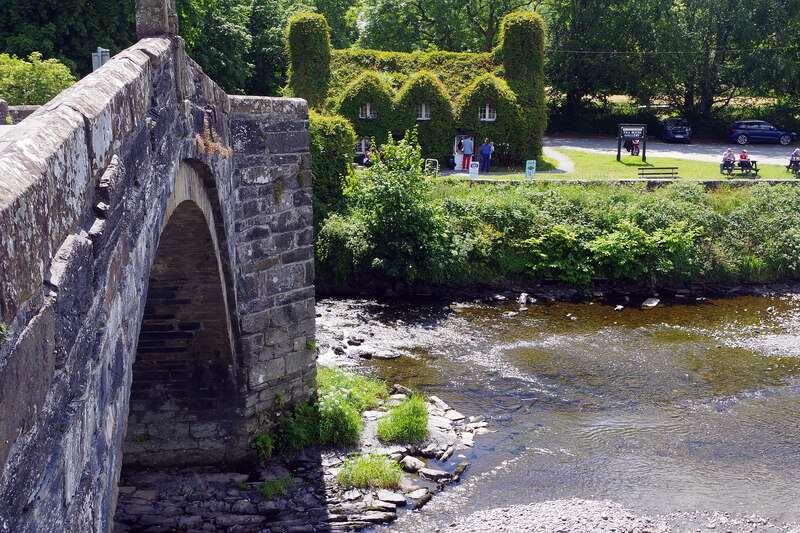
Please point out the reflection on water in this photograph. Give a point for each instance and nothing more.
(691, 407)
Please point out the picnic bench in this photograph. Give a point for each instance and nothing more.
(661, 172)
(794, 167)
(733, 169)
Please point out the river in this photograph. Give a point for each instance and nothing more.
(692, 406)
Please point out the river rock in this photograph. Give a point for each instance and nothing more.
(385, 355)
(380, 505)
(417, 494)
(447, 453)
(411, 464)
(272, 473)
(439, 422)
(523, 298)
(454, 415)
(432, 474)
(355, 341)
(435, 400)
(377, 517)
(400, 389)
(619, 308)
(650, 303)
(392, 497)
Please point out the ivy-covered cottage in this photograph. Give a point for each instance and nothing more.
(446, 95)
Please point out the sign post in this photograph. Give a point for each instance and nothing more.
(632, 132)
(473, 170)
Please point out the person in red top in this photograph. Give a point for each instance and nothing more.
(744, 160)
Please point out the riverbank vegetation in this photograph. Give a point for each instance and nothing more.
(408, 422)
(368, 470)
(400, 224)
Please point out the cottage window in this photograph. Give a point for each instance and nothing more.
(486, 113)
(423, 112)
(362, 145)
(367, 111)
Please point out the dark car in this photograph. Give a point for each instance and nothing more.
(675, 129)
(758, 131)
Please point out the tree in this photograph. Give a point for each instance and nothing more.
(69, 30)
(217, 38)
(32, 82)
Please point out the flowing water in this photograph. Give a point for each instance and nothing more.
(691, 407)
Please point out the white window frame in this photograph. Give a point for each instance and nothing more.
(367, 111)
(362, 145)
(487, 113)
(424, 111)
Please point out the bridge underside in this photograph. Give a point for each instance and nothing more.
(159, 294)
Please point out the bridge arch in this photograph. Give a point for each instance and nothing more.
(184, 396)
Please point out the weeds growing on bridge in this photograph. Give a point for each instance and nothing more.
(5, 332)
(210, 142)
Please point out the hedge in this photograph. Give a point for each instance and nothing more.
(435, 136)
(332, 140)
(309, 47)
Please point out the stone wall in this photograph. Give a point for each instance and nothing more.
(90, 184)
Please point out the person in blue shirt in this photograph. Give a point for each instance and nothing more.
(485, 150)
(468, 144)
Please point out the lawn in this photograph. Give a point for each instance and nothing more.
(606, 166)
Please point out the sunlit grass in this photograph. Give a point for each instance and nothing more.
(367, 470)
(408, 422)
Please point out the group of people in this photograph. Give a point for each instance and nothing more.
(483, 152)
(729, 159)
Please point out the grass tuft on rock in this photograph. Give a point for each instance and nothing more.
(408, 422)
(368, 470)
(273, 487)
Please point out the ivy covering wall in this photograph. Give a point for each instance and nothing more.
(435, 136)
(455, 85)
(505, 130)
(332, 140)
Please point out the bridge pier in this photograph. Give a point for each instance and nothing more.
(158, 288)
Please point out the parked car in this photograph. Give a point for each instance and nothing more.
(758, 131)
(675, 129)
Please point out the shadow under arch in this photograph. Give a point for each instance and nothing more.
(185, 404)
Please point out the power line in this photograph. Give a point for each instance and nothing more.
(671, 52)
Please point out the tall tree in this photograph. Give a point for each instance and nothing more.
(217, 38)
(69, 30)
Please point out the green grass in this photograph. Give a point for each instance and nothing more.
(605, 166)
(367, 470)
(408, 422)
(273, 487)
(362, 392)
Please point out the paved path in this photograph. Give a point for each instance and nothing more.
(697, 150)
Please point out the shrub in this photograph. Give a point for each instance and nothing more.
(435, 136)
(32, 82)
(405, 234)
(370, 89)
(408, 422)
(369, 470)
(309, 47)
(264, 444)
(332, 141)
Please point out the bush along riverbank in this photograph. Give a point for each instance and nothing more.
(351, 458)
(399, 225)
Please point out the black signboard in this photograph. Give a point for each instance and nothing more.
(632, 132)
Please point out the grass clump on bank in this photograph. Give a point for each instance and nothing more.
(273, 487)
(333, 416)
(408, 422)
(402, 225)
(368, 470)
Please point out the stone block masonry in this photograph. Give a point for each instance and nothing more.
(158, 296)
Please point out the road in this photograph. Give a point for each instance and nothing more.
(697, 150)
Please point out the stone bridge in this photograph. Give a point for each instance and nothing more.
(156, 272)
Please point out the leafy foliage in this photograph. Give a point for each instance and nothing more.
(309, 46)
(32, 82)
(402, 233)
(506, 130)
(370, 89)
(434, 135)
(217, 37)
(332, 140)
(68, 31)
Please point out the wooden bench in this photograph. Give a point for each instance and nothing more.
(651, 172)
(733, 169)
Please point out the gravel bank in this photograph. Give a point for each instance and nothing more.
(589, 516)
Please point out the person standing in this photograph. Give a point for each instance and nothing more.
(467, 152)
(485, 152)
